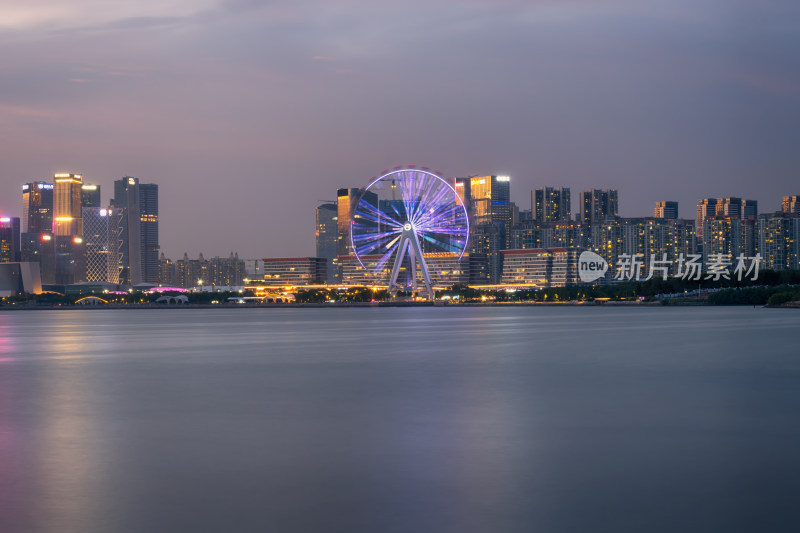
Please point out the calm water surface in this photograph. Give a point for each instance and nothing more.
(400, 420)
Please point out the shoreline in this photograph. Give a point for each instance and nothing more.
(13, 308)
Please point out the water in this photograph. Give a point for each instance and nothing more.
(400, 419)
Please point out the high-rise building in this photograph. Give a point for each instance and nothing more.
(490, 203)
(126, 196)
(346, 201)
(530, 234)
(37, 207)
(40, 248)
(69, 259)
(729, 207)
(148, 217)
(226, 271)
(9, 239)
(728, 236)
(37, 244)
(67, 205)
(668, 210)
(485, 244)
(791, 204)
(166, 271)
(779, 240)
(463, 191)
(551, 204)
(598, 205)
(90, 195)
(706, 208)
(650, 238)
(749, 209)
(326, 236)
(102, 241)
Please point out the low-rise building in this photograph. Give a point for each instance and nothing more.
(540, 267)
(294, 271)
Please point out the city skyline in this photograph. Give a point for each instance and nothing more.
(232, 107)
(686, 213)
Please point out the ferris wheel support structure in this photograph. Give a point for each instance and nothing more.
(409, 244)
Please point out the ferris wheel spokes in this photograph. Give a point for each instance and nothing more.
(422, 209)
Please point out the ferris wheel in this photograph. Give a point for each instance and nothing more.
(400, 216)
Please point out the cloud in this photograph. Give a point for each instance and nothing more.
(54, 15)
(278, 100)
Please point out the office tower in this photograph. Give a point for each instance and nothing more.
(148, 217)
(490, 203)
(90, 195)
(69, 259)
(668, 210)
(126, 196)
(463, 191)
(791, 204)
(326, 236)
(597, 205)
(706, 208)
(37, 207)
(40, 248)
(346, 201)
(550, 204)
(9, 239)
(67, 205)
(102, 242)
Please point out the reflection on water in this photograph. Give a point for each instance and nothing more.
(418, 419)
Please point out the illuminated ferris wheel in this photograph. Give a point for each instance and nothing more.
(402, 214)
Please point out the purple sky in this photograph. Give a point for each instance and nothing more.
(247, 113)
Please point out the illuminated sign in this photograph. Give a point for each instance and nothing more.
(5, 220)
(46, 237)
(77, 240)
(89, 187)
(503, 178)
(131, 181)
(25, 187)
(103, 212)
